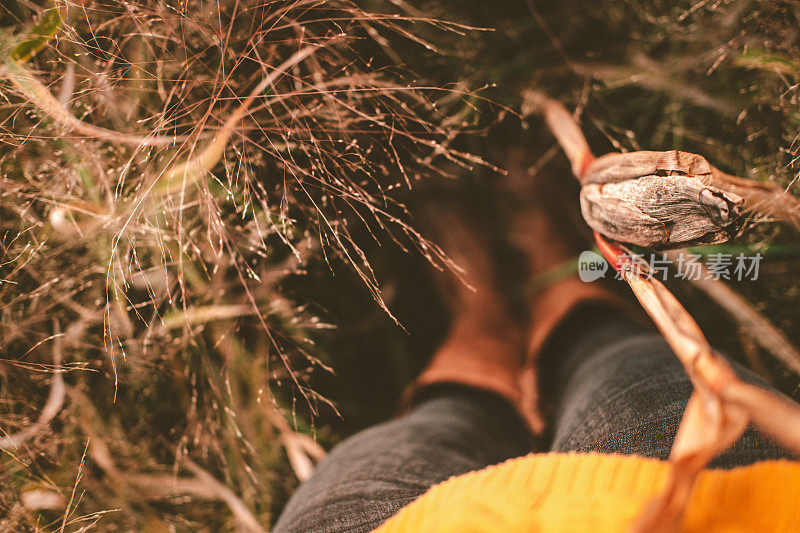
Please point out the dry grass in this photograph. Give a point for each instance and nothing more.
(168, 171)
(165, 168)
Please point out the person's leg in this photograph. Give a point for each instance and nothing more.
(618, 388)
(463, 418)
(369, 477)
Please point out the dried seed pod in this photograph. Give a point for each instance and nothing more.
(658, 200)
(619, 167)
(661, 211)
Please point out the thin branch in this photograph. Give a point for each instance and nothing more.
(753, 323)
(721, 405)
(301, 449)
(38, 94)
(55, 401)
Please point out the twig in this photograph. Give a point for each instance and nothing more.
(721, 405)
(754, 324)
(55, 401)
(24, 80)
(563, 126)
(78, 478)
(239, 509)
(208, 313)
(646, 73)
(301, 449)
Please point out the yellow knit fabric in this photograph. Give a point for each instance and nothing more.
(599, 492)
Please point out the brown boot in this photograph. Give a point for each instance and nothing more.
(484, 347)
(545, 230)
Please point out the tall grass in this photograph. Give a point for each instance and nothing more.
(166, 167)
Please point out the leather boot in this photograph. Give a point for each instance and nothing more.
(546, 229)
(484, 347)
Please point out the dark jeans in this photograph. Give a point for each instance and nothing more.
(613, 388)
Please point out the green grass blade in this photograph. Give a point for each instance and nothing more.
(41, 34)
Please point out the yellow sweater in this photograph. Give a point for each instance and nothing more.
(599, 492)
